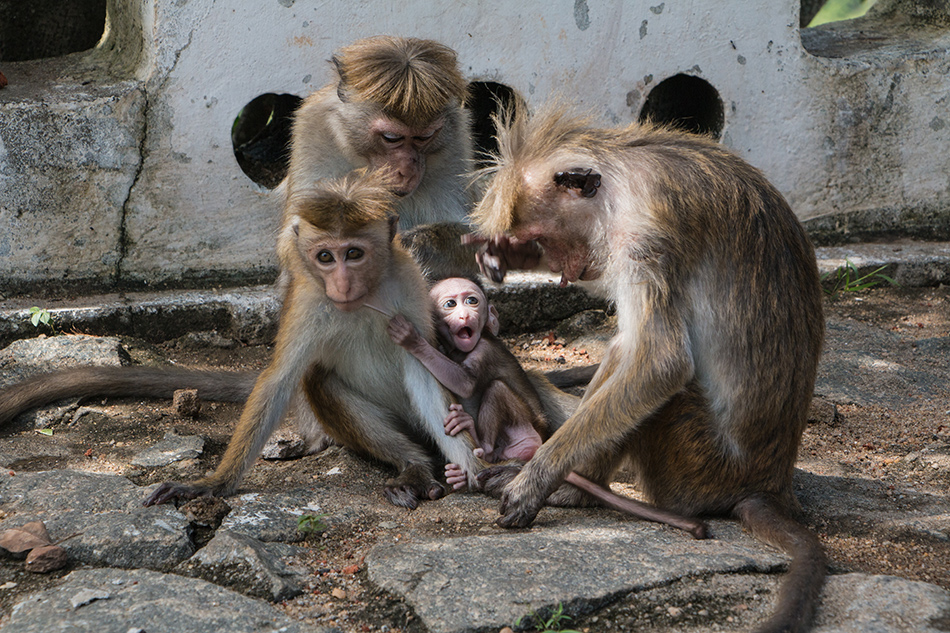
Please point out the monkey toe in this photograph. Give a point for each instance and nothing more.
(493, 480)
(169, 491)
(402, 496)
(436, 491)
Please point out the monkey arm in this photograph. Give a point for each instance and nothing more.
(635, 379)
(453, 376)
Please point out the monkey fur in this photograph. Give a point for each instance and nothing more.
(705, 388)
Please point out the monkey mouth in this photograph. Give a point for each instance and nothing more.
(401, 193)
(464, 334)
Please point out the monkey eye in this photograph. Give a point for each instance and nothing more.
(354, 253)
(391, 138)
(325, 257)
(471, 301)
(423, 139)
(449, 303)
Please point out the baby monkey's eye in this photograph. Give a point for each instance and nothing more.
(449, 303)
(471, 301)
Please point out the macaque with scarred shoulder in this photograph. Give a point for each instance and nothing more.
(491, 383)
(705, 388)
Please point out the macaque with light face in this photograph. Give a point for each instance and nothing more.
(491, 384)
(706, 386)
(337, 247)
(395, 105)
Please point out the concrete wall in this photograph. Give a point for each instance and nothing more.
(117, 167)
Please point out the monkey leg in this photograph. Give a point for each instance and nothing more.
(506, 424)
(629, 386)
(360, 425)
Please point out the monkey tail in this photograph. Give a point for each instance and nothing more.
(798, 596)
(147, 382)
(573, 377)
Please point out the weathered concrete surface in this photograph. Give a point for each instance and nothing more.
(115, 601)
(526, 302)
(117, 167)
(105, 512)
(455, 583)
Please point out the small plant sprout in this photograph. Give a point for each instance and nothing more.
(847, 278)
(552, 624)
(41, 315)
(311, 523)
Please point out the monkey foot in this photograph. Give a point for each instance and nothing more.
(414, 484)
(493, 480)
(170, 491)
(516, 514)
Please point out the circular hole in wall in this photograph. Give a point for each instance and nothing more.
(686, 102)
(260, 136)
(486, 98)
(35, 30)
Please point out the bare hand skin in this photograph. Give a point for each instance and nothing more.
(706, 386)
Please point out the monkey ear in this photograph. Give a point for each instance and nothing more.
(295, 225)
(493, 323)
(586, 182)
(393, 226)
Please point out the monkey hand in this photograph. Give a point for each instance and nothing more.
(456, 477)
(171, 490)
(501, 253)
(458, 420)
(494, 479)
(520, 502)
(402, 332)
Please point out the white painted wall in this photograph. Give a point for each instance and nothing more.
(834, 135)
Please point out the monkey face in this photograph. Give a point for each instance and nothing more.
(463, 312)
(401, 150)
(349, 267)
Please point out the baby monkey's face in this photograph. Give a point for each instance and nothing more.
(463, 311)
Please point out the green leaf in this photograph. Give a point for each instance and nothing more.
(47, 432)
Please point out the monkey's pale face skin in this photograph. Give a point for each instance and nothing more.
(463, 312)
(401, 150)
(345, 267)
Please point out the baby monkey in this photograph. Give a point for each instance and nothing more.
(488, 379)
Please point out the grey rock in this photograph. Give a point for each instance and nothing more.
(69, 350)
(244, 564)
(453, 583)
(859, 603)
(105, 511)
(270, 517)
(285, 443)
(145, 600)
(170, 449)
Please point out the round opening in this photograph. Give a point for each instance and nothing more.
(687, 103)
(36, 30)
(260, 136)
(486, 98)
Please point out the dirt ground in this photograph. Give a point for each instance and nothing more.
(872, 442)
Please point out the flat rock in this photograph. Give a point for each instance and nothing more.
(104, 510)
(454, 583)
(245, 565)
(170, 449)
(270, 517)
(68, 350)
(119, 601)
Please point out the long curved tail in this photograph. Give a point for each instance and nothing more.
(151, 382)
(798, 596)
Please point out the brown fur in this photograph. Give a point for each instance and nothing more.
(707, 384)
(367, 393)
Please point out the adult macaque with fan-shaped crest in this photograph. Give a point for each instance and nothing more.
(396, 105)
(705, 388)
